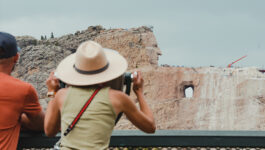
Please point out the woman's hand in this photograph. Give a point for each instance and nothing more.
(52, 83)
(138, 83)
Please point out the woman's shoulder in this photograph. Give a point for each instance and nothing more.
(117, 93)
(118, 100)
(62, 91)
(119, 96)
(61, 95)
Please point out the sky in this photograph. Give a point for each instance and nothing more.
(190, 33)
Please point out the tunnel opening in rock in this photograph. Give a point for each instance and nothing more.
(188, 91)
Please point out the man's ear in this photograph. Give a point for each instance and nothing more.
(16, 57)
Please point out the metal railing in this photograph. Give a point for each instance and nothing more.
(162, 138)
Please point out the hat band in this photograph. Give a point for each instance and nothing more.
(93, 71)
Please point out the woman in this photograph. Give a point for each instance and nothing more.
(86, 72)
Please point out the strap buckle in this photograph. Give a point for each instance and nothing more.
(67, 131)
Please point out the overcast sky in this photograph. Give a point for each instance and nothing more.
(189, 32)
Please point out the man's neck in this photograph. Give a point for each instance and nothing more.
(5, 69)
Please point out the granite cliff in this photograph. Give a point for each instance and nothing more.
(223, 98)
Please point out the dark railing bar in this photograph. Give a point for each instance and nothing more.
(162, 138)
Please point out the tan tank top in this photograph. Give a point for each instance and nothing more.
(93, 130)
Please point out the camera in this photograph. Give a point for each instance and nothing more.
(121, 83)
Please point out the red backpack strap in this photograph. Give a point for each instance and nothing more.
(74, 122)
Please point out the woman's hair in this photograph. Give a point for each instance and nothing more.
(116, 83)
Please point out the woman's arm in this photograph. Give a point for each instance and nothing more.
(52, 120)
(143, 118)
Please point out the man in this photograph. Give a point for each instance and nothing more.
(19, 104)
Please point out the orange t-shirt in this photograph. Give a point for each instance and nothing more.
(16, 97)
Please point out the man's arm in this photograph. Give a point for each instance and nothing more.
(32, 117)
(32, 122)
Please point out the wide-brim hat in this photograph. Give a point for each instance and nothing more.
(91, 64)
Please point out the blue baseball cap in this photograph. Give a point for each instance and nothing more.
(8, 44)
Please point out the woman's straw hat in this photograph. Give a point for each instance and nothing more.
(91, 64)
